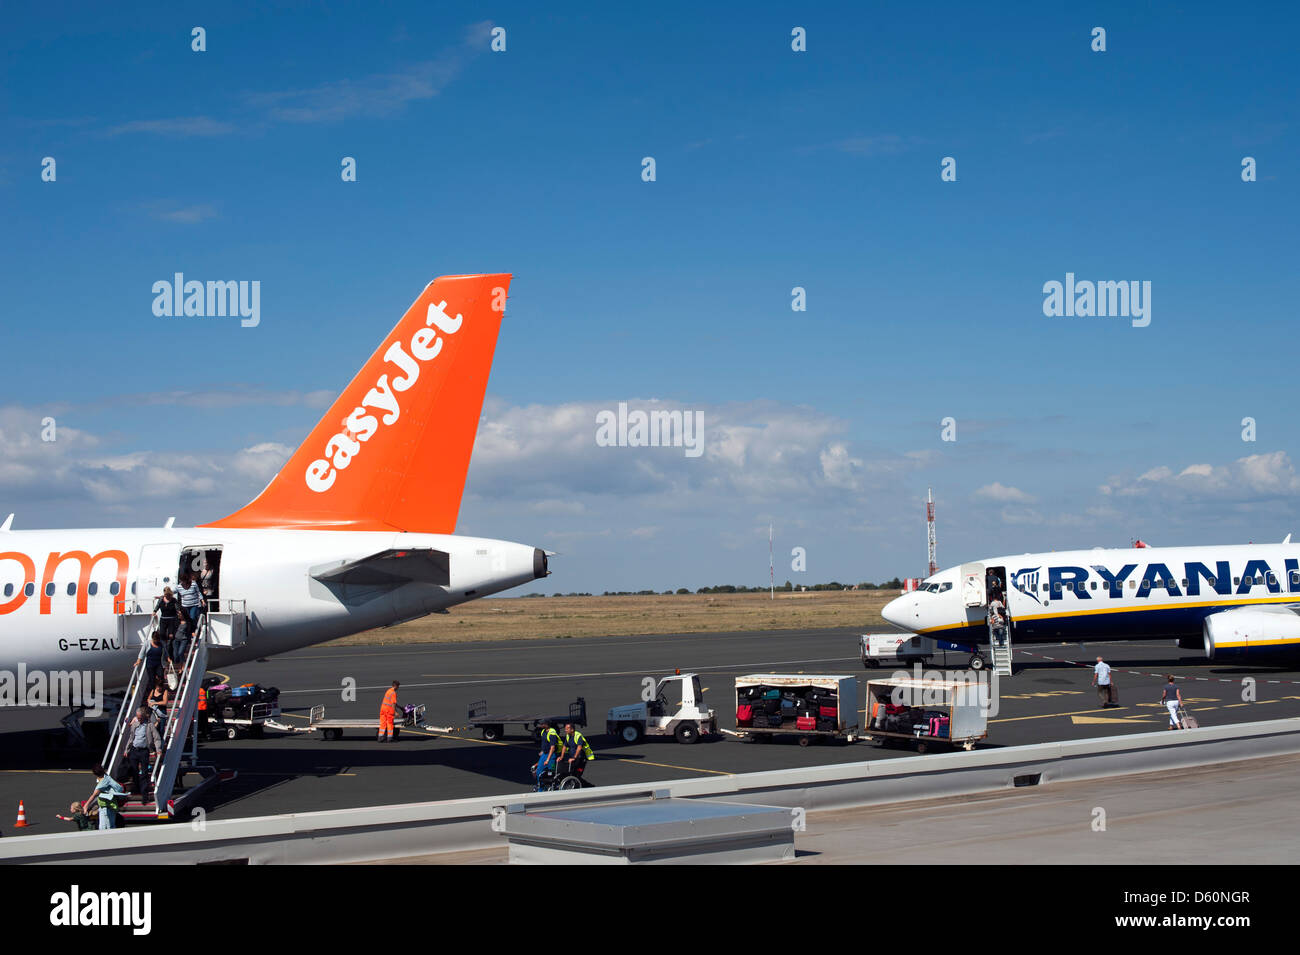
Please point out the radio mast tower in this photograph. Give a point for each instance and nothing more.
(929, 530)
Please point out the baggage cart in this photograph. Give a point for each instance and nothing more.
(830, 702)
(931, 713)
(493, 725)
(260, 716)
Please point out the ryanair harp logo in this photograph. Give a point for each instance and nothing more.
(1026, 581)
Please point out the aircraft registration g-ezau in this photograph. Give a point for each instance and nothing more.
(355, 531)
(1234, 601)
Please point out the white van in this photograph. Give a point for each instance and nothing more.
(892, 649)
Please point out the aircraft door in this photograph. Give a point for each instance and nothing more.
(972, 585)
(156, 570)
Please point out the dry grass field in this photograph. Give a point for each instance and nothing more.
(541, 618)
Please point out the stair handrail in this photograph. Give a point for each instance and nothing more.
(177, 729)
(124, 716)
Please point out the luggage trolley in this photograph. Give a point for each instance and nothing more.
(806, 708)
(927, 713)
(260, 716)
(232, 714)
(493, 725)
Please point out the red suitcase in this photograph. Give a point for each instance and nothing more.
(805, 723)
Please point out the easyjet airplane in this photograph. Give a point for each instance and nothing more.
(1234, 601)
(355, 532)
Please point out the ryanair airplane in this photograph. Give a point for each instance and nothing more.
(1235, 602)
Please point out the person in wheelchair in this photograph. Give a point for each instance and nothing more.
(575, 751)
(548, 756)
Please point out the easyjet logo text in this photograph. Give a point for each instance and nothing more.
(85, 564)
(381, 407)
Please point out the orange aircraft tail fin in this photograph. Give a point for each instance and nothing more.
(393, 450)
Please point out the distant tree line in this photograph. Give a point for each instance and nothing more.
(787, 587)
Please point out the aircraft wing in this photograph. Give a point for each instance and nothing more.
(392, 567)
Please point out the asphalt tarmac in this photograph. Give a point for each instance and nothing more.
(1048, 699)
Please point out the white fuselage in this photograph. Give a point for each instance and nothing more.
(266, 574)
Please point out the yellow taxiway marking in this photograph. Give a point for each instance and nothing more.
(1107, 719)
(688, 769)
(1042, 716)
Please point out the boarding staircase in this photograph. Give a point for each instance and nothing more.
(179, 731)
(1002, 654)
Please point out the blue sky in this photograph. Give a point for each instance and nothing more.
(775, 169)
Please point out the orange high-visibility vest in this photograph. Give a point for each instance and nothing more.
(203, 699)
(390, 699)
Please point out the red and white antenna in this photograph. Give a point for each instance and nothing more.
(929, 531)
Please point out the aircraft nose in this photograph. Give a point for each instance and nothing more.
(897, 611)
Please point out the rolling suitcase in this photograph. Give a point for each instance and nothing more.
(1187, 719)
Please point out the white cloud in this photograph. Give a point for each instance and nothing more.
(379, 94)
(1002, 493)
(176, 126)
(751, 450)
(1256, 477)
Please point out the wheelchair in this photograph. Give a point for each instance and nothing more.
(556, 780)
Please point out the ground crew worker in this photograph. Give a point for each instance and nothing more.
(575, 749)
(203, 712)
(548, 754)
(387, 710)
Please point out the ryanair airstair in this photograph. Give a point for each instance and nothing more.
(1000, 645)
(1002, 657)
(168, 799)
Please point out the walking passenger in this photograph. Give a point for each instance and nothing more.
(153, 661)
(141, 737)
(1172, 698)
(1102, 681)
(192, 604)
(108, 795)
(997, 622)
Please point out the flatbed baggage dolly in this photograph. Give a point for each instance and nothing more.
(493, 725)
(412, 717)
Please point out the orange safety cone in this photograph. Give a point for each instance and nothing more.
(22, 817)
